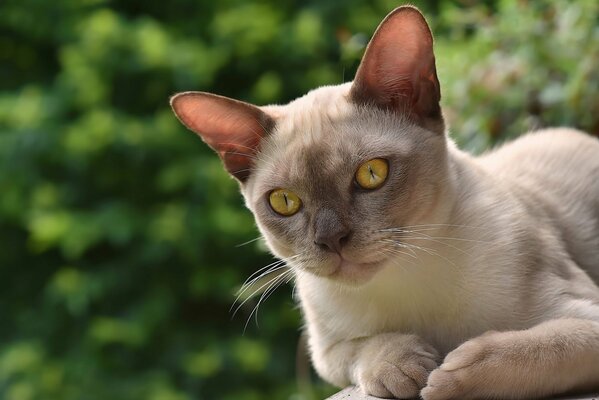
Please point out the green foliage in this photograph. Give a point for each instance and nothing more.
(533, 64)
(118, 229)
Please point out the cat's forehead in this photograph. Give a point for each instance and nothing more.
(322, 137)
(325, 122)
(308, 119)
(312, 136)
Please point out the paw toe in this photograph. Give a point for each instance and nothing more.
(376, 388)
(417, 373)
(396, 386)
(469, 353)
(441, 385)
(395, 381)
(403, 387)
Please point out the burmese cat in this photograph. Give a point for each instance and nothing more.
(420, 269)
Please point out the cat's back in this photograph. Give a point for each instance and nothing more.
(559, 162)
(555, 173)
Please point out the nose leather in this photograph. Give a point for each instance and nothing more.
(330, 231)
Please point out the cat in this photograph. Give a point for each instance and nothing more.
(420, 269)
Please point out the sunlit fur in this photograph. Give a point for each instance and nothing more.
(462, 245)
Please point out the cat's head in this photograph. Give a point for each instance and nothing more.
(328, 174)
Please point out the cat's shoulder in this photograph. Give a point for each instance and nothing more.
(555, 163)
(556, 137)
(544, 148)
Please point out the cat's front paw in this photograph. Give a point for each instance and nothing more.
(395, 366)
(475, 369)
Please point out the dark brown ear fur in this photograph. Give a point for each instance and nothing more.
(398, 71)
(231, 127)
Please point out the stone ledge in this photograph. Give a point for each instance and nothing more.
(353, 393)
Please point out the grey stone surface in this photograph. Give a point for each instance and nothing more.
(352, 393)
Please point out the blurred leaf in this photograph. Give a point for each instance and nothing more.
(204, 364)
(251, 355)
(106, 330)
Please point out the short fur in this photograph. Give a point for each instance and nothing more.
(485, 265)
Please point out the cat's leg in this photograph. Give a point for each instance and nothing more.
(389, 365)
(554, 357)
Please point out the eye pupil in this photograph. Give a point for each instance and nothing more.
(372, 174)
(284, 202)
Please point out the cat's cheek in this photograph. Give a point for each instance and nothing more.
(277, 247)
(279, 232)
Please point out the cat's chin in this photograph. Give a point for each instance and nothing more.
(353, 273)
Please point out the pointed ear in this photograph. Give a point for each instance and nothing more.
(398, 71)
(231, 127)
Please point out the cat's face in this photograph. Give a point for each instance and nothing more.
(341, 229)
(329, 174)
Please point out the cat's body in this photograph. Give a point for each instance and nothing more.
(394, 277)
(506, 240)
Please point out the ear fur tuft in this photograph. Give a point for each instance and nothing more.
(232, 128)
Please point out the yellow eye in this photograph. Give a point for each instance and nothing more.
(284, 202)
(372, 174)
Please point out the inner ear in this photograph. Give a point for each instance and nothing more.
(234, 129)
(398, 70)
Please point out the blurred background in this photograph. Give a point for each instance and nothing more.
(120, 231)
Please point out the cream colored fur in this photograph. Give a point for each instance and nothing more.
(525, 222)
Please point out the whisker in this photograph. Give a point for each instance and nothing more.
(283, 260)
(419, 231)
(398, 253)
(273, 285)
(432, 239)
(261, 272)
(268, 283)
(257, 275)
(400, 245)
(249, 283)
(249, 241)
(432, 252)
(443, 226)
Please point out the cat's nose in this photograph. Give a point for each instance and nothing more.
(333, 242)
(330, 231)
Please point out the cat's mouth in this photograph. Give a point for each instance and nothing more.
(354, 272)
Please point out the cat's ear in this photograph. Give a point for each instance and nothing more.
(231, 127)
(398, 71)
